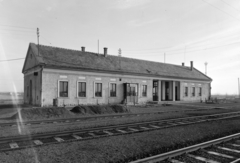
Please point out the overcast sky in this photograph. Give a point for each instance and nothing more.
(185, 30)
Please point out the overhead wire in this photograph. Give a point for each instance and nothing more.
(192, 50)
(178, 49)
(17, 26)
(11, 59)
(231, 6)
(221, 10)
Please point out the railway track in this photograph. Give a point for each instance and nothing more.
(79, 119)
(222, 150)
(25, 141)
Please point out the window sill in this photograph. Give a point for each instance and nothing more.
(63, 98)
(81, 97)
(113, 97)
(97, 97)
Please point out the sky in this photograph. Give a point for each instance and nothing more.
(202, 31)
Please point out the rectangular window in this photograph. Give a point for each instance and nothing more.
(63, 90)
(98, 89)
(81, 89)
(113, 91)
(144, 90)
(200, 91)
(186, 91)
(193, 91)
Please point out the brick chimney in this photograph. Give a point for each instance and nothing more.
(83, 49)
(191, 65)
(105, 52)
(183, 64)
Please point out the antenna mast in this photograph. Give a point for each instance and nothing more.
(98, 46)
(205, 68)
(119, 52)
(164, 57)
(38, 39)
(238, 88)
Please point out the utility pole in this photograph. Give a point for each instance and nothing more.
(98, 46)
(164, 58)
(38, 39)
(119, 52)
(119, 59)
(238, 88)
(205, 68)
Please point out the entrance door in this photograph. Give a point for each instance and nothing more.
(132, 93)
(167, 92)
(30, 93)
(176, 93)
(155, 90)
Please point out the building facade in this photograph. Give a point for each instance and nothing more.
(57, 76)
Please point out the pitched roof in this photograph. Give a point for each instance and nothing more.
(73, 59)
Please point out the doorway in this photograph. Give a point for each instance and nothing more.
(155, 90)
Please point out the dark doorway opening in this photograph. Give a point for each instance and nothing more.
(155, 90)
(167, 92)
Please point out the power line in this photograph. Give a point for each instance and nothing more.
(207, 48)
(16, 26)
(231, 6)
(11, 59)
(221, 10)
(178, 49)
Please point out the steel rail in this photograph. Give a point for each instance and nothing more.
(179, 152)
(72, 120)
(121, 129)
(127, 125)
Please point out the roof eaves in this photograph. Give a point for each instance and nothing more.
(117, 71)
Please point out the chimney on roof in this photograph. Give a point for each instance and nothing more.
(105, 52)
(83, 49)
(191, 65)
(183, 64)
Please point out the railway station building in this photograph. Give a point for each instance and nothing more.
(58, 76)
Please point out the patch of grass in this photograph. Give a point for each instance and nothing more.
(125, 148)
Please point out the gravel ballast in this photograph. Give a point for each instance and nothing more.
(124, 148)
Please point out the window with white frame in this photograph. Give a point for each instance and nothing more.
(98, 89)
(193, 91)
(113, 89)
(144, 90)
(82, 89)
(186, 91)
(63, 88)
(200, 91)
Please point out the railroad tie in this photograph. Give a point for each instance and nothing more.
(122, 131)
(153, 126)
(228, 149)
(58, 139)
(175, 161)
(132, 129)
(76, 136)
(220, 154)
(145, 128)
(92, 134)
(108, 132)
(13, 145)
(235, 145)
(236, 161)
(202, 159)
(38, 142)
